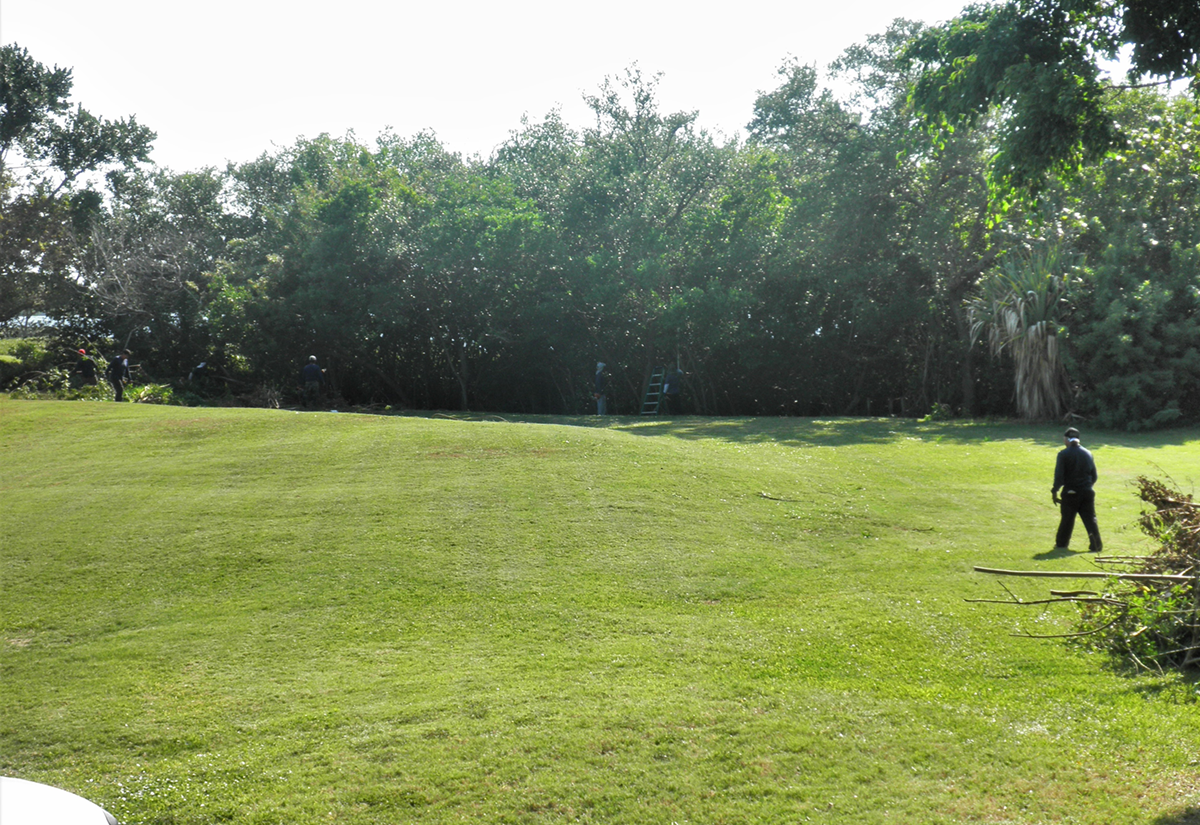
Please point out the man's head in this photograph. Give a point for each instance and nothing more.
(312, 359)
(1070, 435)
(599, 366)
(83, 352)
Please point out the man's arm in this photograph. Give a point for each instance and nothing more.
(1059, 471)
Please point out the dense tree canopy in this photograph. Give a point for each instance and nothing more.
(842, 260)
(1040, 63)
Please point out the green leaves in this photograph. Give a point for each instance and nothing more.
(1024, 63)
(46, 216)
(1034, 64)
(30, 95)
(1020, 310)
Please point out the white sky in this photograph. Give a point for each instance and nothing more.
(230, 79)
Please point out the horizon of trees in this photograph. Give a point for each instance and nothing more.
(854, 256)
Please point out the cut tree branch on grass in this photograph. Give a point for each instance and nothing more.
(1054, 600)
(1084, 574)
(1149, 610)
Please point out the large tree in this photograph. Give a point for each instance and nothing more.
(889, 234)
(1037, 66)
(1134, 332)
(48, 152)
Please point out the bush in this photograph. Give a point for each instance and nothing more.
(27, 357)
(152, 394)
(10, 368)
(939, 412)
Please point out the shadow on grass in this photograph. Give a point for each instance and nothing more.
(1188, 816)
(825, 432)
(796, 432)
(1058, 553)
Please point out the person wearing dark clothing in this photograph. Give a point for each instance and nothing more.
(311, 379)
(672, 384)
(85, 368)
(600, 392)
(1075, 474)
(118, 374)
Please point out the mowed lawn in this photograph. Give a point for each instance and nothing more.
(253, 616)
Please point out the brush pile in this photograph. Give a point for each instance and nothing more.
(1152, 623)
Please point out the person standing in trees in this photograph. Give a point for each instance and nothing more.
(1075, 474)
(85, 368)
(672, 385)
(600, 390)
(118, 374)
(311, 379)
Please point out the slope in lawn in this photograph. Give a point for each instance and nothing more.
(255, 616)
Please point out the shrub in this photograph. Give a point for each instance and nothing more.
(152, 394)
(10, 368)
(939, 412)
(28, 359)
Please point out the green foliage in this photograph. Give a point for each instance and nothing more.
(826, 266)
(32, 351)
(1034, 64)
(939, 412)
(29, 359)
(152, 394)
(1024, 59)
(10, 368)
(1021, 311)
(46, 210)
(1134, 334)
(57, 385)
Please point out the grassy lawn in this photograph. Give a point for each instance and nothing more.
(253, 616)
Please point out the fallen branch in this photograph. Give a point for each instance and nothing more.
(776, 498)
(1083, 574)
(1084, 599)
(1092, 632)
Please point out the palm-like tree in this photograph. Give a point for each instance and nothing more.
(1019, 308)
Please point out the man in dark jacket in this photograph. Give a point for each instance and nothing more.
(119, 375)
(312, 377)
(85, 368)
(1075, 474)
(672, 386)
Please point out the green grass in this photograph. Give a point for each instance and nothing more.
(252, 616)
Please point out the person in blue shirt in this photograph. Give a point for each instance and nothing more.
(1075, 474)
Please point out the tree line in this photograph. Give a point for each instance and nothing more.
(895, 249)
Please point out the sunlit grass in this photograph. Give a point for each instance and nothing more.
(258, 616)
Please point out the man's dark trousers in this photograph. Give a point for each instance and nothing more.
(1082, 502)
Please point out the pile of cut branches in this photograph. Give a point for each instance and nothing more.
(1154, 622)
(1148, 614)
